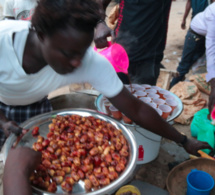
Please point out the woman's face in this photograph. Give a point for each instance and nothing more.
(64, 50)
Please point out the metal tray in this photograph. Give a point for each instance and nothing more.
(43, 120)
(99, 103)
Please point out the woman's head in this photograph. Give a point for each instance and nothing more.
(53, 15)
(65, 29)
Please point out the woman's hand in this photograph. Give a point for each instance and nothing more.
(101, 34)
(192, 146)
(19, 165)
(23, 158)
(11, 126)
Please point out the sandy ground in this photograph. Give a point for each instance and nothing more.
(175, 36)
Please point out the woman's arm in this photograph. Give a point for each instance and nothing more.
(9, 126)
(19, 165)
(148, 118)
(187, 11)
(210, 54)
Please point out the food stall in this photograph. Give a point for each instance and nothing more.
(82, 99)
(43, 121)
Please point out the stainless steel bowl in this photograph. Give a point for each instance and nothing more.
(44, 120)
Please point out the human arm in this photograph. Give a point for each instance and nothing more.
(211, 102)
(19, 165)
(187, 11)
(107, 82)
(210, 56)
(102, 30)
(9, 126)
(145, 116)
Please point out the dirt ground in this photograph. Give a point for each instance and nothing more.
(175, 36)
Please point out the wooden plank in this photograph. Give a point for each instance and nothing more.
(165, 78)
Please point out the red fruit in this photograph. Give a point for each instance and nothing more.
(38, 147)
(106, 136)
(45, 143)
(35, 131)
(97, 161)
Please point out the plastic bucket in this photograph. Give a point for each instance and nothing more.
(199, 183)
(117, 56)
(148, 144)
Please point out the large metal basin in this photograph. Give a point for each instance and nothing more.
(45, 119)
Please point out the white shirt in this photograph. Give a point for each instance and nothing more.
(19, 88)
(19, 9)
(204, 24)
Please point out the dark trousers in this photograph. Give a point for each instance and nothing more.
(142, 31)
(194, 48)
(142, 73)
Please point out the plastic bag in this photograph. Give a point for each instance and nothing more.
(206, 135)
(202, 128)
(191, 98)
(200, 121)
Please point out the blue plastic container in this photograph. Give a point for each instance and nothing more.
(199, 183)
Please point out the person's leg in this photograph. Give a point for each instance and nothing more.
(123, 77)
(144, 72)
(190, 45)
(200, 49)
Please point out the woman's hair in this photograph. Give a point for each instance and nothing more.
(53, 15)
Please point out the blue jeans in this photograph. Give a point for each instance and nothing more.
(194, 48)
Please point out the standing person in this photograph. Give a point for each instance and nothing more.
(204, 24)
(38, 59)
(19, 9)
(194, 44)
(142, 30)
